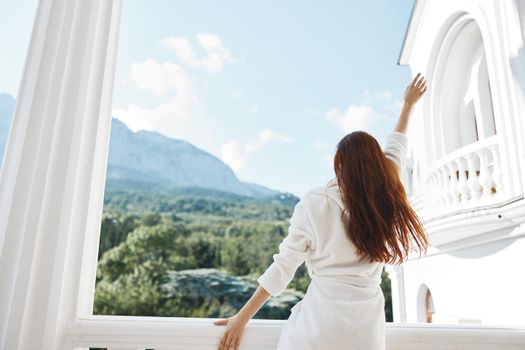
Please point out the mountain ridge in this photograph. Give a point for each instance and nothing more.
(149, 157)
(152, 157)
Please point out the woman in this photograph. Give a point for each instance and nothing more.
(345, 232)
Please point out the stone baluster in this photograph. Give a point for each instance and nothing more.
(485, 178)
(462, 181)
(473, 181)
(497, 175)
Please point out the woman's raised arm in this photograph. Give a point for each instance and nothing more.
(413, 93)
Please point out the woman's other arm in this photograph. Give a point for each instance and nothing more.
(413, 93)
(235, 324)
(293, 250)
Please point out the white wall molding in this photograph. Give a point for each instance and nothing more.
(476, 222)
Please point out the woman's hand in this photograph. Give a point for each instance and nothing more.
(413, 93)
(235, 325)
(232, 336)
(415, 90)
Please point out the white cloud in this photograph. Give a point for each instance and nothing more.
(232, 154)
(356, 117)
(161, 78)
(235, 155)
(178, 117)
(216, 55)
(181, 115)
(385, 96)
(376, 111)
(264, 137)
(384, 100)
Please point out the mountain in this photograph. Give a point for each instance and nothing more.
(149, 160)
(152, 158)
(7, 105)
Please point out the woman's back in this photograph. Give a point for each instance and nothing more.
(344, 297)
(335, 255)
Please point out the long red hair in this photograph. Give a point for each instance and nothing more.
(378, 217)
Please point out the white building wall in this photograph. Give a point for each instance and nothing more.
(478, 284)
(473, 267)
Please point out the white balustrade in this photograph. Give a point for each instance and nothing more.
(468, 177)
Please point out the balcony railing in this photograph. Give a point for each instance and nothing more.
(132, 333)
(464, 179)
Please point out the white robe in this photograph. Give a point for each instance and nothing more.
(343, 307)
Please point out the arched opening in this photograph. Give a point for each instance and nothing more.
(462, 111)
(429, 306)
(425, 305)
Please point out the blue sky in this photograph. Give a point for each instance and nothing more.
(16, 17)
(267, 86)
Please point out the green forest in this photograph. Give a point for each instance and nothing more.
(192, 253)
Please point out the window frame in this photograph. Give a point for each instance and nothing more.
(71, 224)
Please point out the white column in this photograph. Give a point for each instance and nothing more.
(53, 174)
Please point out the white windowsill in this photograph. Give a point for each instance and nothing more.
(199, 333)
